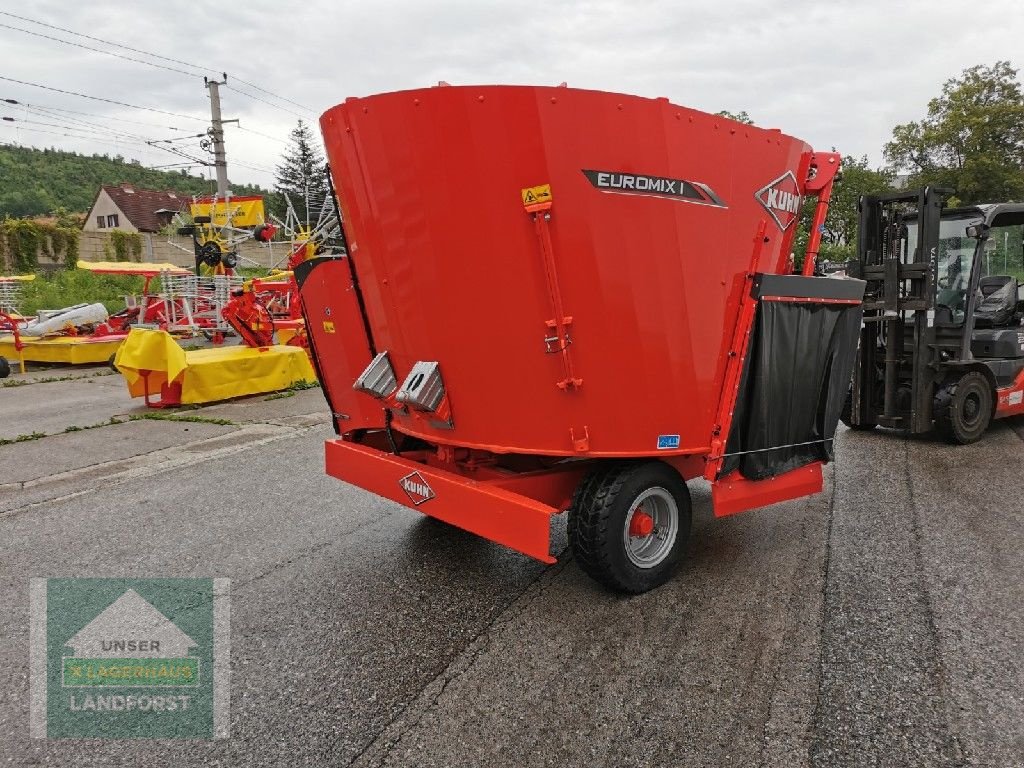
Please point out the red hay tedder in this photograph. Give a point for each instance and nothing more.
(558, 299)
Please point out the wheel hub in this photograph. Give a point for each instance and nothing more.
(971, 407)
(652, 525)
(641, 525)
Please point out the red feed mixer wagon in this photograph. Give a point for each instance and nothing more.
(559, 299)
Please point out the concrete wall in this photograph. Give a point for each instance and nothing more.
(93, 246)
(157, 249)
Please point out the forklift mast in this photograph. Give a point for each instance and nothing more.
(896, 366)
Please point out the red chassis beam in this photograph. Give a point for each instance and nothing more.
(514, 509)
(734, 493)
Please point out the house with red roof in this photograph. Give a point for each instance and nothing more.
(131, 209)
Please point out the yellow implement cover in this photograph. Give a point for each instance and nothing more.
(208, 375)
(19, 278)
(69, 350)
(131, 268)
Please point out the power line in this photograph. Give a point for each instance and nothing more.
(122, 138)
(79, 128)
(197, 67)
(264, 101)
(264, 135)
(116, 144)
(182, 138)
(100, 98)
(179, 153)
(259, 169)
(81, 124)
(93, 115)
(270, 93)
(105, 42)
(98, 50)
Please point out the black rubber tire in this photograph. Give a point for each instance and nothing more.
(844, 416)
(598, 515)
(5, 368)
(963, 408)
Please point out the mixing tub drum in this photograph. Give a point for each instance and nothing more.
(541, 273)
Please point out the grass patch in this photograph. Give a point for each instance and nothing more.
(279, 395)
(109, 422)
(73, 428)
(65, 287)
(162, 416)
(22, 438)
(51, 379)
(290, 392)
(174, 416)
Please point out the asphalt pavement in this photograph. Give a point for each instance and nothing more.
(879, 623)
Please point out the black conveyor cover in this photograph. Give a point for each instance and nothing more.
(795, 377)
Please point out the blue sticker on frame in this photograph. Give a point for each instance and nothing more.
(668, 442)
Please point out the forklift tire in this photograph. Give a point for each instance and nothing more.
(963, 408)
(628, 524)
(5, 368)
(845, 416)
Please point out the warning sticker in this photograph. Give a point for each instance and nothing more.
(328, 326)
(537, 195)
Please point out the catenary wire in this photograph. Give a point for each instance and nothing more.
(100, 98)
(97, 50)
(199, 69)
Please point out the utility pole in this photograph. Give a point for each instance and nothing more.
(220, 157)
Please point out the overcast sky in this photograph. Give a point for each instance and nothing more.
(832, 73)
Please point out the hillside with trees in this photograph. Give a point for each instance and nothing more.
(35, 182)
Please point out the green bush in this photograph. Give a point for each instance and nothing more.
(124, 246)
(79, 286)
(22, 241)
(71, 248)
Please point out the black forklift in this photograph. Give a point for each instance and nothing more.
(942, 343)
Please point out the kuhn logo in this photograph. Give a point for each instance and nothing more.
(416, 488)
(781, 199)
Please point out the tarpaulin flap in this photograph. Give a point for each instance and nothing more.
(794, 382)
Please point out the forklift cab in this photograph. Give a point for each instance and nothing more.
(979, 276)
(942, 344)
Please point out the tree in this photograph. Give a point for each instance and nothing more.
(739, 117)
(67, 219)
(27, 201)
(302, 174)
(839, 239)
(972, 139)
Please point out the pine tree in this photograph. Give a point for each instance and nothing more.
(302, 174)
